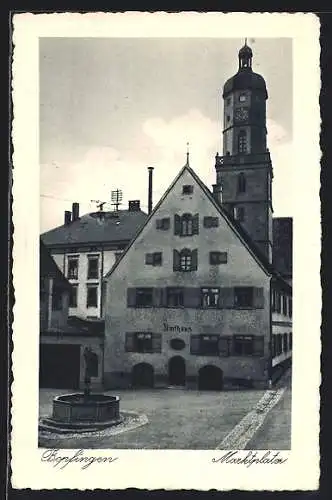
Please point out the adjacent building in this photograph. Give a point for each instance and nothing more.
(62, 341)
(85, 248)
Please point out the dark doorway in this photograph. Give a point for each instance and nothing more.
(59, 366)
(210, 378)
(177, 371)
(142, 375)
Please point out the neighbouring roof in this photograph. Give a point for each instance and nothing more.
(237, 227)
(90, 228)
(49, 269)
(283, 245)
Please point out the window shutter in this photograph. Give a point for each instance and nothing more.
(159, 223)
(156, 342)
(157, 297)
(226, 298)
(176, 260)
(258, 346)
(223, 346)
(258, 301)
(130, 342)
(195, 220)
(131, 297)
(166, 223)
(215, 222)
(207, 222)
(149, 259)
(194, 258)
(177, 224)
(195, 344)
(191, 297)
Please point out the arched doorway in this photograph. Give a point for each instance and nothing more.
(210, 378)
(142, 375)
(177, 371)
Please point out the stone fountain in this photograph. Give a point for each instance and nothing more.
(83, 412)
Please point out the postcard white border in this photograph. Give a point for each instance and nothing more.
(168, 469)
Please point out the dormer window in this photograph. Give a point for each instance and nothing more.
(187, 189)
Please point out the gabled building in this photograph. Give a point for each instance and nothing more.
(189, 302)
(85, 248)
(202, 296)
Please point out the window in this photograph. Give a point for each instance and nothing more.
(56, 299)
(228, 101)
(242, 97)
(243, 345)
(185, 260)
(92, 296)
(242, 141)
(186, 225)
(218, 258)
(145, 342)
(144, 297)
(209, 345)
(241, 183)
(273, 346)
(187, 189)
(73, 296)
(228, 118)
(153, 259)
(290, 307)
(210, 297)
(284, 304)
(210, 222)
(175, 297)
(290, 341)
(285, 342)
(72, 272)
(244, 296)
(163, 224)
(238, 213)
(93, 266)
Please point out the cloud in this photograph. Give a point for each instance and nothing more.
(161, 144)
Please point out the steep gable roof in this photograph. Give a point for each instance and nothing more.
(237, 228)
(89, 228)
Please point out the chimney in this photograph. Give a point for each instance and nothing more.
(134, 206)
(76, 211)
(67, 217)
(150, 169)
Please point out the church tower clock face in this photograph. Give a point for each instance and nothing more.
(241, 114)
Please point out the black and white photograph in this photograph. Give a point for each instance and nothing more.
(169, 200)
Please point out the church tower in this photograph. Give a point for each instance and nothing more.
(244, 172)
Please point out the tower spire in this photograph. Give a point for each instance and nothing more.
(187, 163)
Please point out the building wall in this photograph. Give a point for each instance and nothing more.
(281, 326)
(50, 317)
(106, 260)
(96, 345)
(240, 270)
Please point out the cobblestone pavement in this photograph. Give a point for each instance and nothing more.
(275, 433)
(177, 419)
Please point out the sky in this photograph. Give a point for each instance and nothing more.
(111, 107)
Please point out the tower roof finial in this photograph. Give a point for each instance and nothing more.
(245, 41)
(187, 164)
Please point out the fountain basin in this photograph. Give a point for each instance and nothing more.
(92, 408)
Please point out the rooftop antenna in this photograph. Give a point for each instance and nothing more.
(100, 204)
(116, 197)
